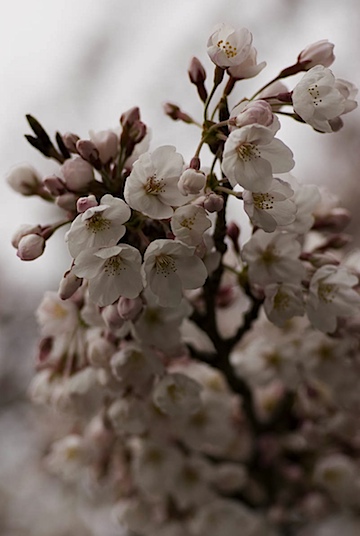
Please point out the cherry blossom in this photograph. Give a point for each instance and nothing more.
(152, 186)
(283, 301)
(176, 395)
(112, 271)
(273, 258)
(98, 225)
(331, 295)
(169, 267)
(228, 47)
(269, 209)
(189, 224)
(247, 68)
(252, 155)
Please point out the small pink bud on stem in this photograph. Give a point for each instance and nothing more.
(173, 111)
(70, 140)
(31, 247)
(88, 151)
(233, 232)
(197, 77)
(69, 285)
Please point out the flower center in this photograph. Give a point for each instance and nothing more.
(154, 186)
(326, 292)
(113, 266)
(269, 256)
(281, 301)
(165, 264)
(228, 49)
(247, 152)
(188, 223)
(315, 94)
(263, 201)
(97, 223)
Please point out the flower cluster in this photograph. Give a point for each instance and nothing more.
(213, 382)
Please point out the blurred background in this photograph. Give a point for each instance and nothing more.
(78, 65)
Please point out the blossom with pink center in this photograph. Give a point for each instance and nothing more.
(152, 186)
(269, 209)
(228, 47)
(169, 267)
(331, 295)
(112, 272)
(252, 155)
(98, 225)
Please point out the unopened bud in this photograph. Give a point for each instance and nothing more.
(78, 174)
(30, 247)
(70, 140)
(88, 151)
(213, 202)
(335, 221)
(191, 182)
(54, 185)
(107, 143)
(338, 241)
(173, 111)
(69, 285)
(130, 309)
(197, 76)
(111, 317)
(24, 180)
(195, 163)
(67, 201)
(259, 112)
(83, 203)
(319, 53)
(24, 230)
(233, 232)
(129, 117)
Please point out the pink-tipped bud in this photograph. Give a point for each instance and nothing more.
(319, 53)
(129, 309)
(191, 182)
(195, 163)
(83, 203)
(335, 221)
(70, 140)
(107, 143)
(24, 180)
(233, 232)
(78, 174)
(111, 317)
(24, 230)
(213, 202)
(30, 247)
(69, 285)
(259, 112)
(54, 185)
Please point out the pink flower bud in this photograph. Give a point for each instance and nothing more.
(70, 140)
(78, 174)
(107, 143)
(191, 182)
(173, 111)
(319, 53)
(258, 112)
(334, 221)
(129, 117)
(24, 180)
(129, 309)
(54, 185)
(69, 285)
(233, 232)
(24, 230)
(111, 317)
(83, 203)
(213, 202)
(30, 247)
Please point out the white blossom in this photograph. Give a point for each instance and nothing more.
(169, 267)
(274, 207)
(273, 258)
(252, 155)
(112, 272)
(152, 186)
(317, 100)
(247, 68)
(306, 197)
(189, 224)
(227, 46)
(331, 296)
(282, 302)
(98, 226)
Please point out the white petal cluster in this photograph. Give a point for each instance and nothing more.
(189, 224)
(229, 47)
(177, 394)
